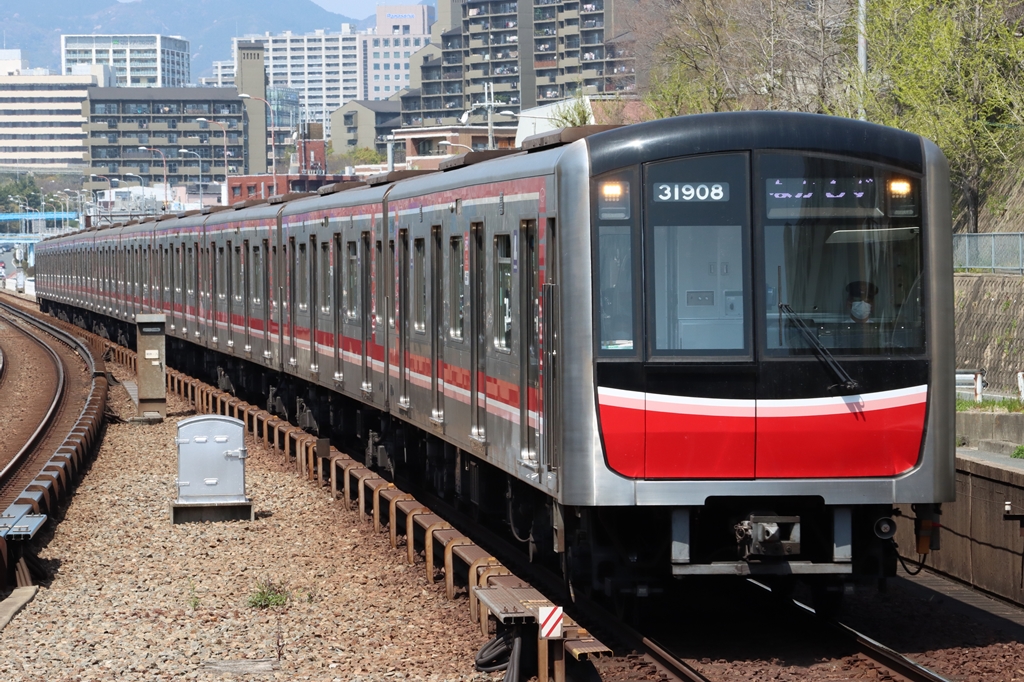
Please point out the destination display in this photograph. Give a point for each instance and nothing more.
(851, 197)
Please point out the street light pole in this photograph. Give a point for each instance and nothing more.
(153, 149)
(273, 138)
(198, 156)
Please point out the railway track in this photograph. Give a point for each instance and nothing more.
(54, 393)
(634, 648)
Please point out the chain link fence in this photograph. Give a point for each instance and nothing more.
(997, 252)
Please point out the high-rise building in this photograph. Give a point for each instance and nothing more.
(41, 115)
(141, 132)
(138, 61)
(223, 75)
(328, 69)
(527, 53)
(323, 67)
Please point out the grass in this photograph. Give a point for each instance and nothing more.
(193, 598)
(1018, 452)
(268, 594)
(990, 405)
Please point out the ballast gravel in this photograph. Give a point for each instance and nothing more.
(133, 597)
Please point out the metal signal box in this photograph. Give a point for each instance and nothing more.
(151, 362)
(211, 471)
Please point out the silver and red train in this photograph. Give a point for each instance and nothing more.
(716, 344)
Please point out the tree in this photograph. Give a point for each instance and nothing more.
(952, 72)
(365, 155)
(723, 55)
(573, 112)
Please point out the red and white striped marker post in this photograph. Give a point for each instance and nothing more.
(550, 622)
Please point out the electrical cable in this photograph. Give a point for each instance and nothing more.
(920, 566)
(495, 654)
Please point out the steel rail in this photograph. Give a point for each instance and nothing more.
(51, 412)
(881, 654)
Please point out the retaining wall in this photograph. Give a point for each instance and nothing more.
(989, 317)
(978, 546)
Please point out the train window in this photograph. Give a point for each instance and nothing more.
(615, 280)
(177, 267)
(302, 278)
(219, 266)
(190, 272)
(457, 288)
(351, 292)
(237, 275)
(255, 269)
(503, 291)
(843, 259)
(325, 277)
(419, 278)
(698, 225)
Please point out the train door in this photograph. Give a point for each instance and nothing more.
(290, 257)
(311, 275)
(230, 291)
(243, 290)
(436, 328)
(219, 299)
(261, 268)
(478, 333)
(550, 407)
(339, 270)
(529, 344)
(366, 303)
(402, 321)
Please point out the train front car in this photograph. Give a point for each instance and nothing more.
(772, 349)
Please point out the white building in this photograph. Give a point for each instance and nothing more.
(41, 116)
(223, 74)
(329, 69)
(138, 61)
(402, 30)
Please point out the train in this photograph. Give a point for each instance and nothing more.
(711, 345)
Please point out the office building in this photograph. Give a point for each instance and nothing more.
(41, 116)
(138, 61)
(121, 120)
(402, 30)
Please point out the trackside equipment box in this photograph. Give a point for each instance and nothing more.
(150, 349)
(211, 471)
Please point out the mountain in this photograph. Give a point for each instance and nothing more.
(36, 27)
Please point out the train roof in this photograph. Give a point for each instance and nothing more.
(744, 130)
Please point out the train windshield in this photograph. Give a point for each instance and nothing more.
(842, 250)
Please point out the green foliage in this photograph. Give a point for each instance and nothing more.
(193, 598)
(1018, 452)
(23, 186)
(268, 594)
(952, 71)
(989, 405)
(573, 112)
(364, 155)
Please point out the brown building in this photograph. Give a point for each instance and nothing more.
(246, 187)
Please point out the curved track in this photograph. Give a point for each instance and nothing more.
(33, 394)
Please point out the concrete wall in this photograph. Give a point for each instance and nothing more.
(989, 329)
(978, 546)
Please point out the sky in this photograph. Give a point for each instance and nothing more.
(356, 9)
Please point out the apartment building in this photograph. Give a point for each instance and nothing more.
(402, 30)
(530, 53)
(223, 75)
(41, 116)
(138, 61)
(363, 123)
(208, 123)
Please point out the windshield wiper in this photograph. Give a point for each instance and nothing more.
(845, 380)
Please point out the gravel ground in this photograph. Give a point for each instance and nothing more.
(134, 598)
